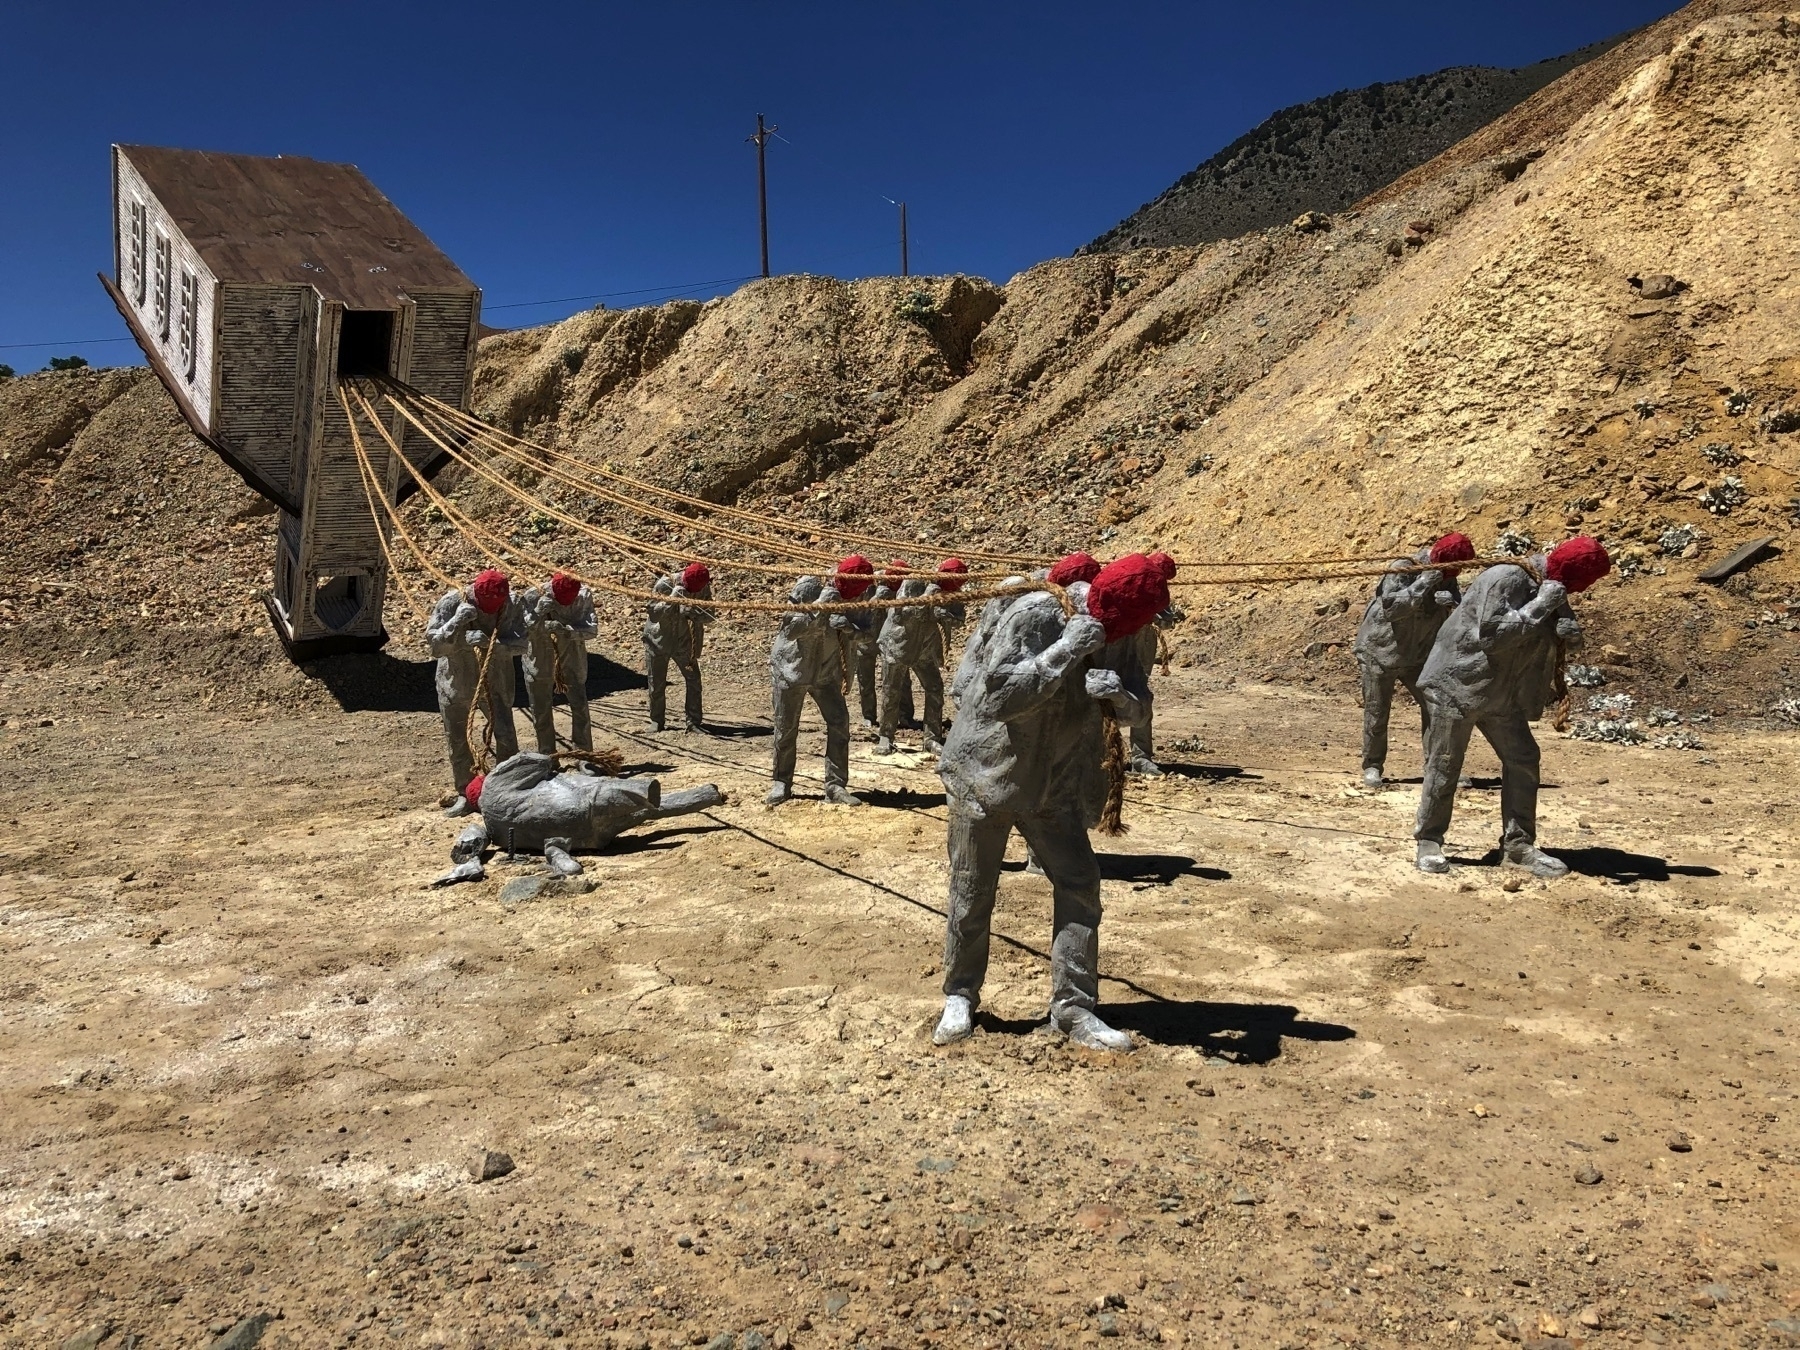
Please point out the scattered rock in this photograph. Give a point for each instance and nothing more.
(88, 1337)
(1241, 1196)
(1589, 1175)
(1108, 1324)
(1589, 1317)
(490, 1165)
(1610, 1136)
(521, 889)
(1657, 286)
(837, 1300)
(1308, 221)
(1680, 1143)
(245, 1334)
(723, 1341)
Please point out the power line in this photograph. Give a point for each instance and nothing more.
(72, 342)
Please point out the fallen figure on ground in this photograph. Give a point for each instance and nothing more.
(1395, 636)
(1494, 668)
(1025, 753)
(532, 804)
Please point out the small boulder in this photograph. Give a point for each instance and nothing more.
(489, 1165)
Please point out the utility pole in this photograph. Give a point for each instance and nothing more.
(903, 269)
(759, 140)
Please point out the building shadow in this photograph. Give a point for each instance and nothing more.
(377, 682)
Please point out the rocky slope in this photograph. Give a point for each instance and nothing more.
(1328, 154)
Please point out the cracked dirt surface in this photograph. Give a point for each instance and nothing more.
(248, 1054)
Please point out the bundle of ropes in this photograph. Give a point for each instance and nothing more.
(747, 543)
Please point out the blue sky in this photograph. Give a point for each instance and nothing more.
(560, 149)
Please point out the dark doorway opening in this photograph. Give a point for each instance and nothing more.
(364, 342)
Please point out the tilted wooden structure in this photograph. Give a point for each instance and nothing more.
(252, 284)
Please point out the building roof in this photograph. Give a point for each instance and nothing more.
(293, 220)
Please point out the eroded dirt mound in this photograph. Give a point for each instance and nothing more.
(1514, 377)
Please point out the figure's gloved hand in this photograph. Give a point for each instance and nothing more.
(1104, 684)
(1568, 629)
(1550, 598)
(1444, 598)
(1084, 635)
(468, 870)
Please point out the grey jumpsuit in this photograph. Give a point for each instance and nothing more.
(1025, 754)
(556, 645)
(807, 658)
(458, 633)
(912, 643)
(1392, 641)
(675, 633)
(1492, 668)
(528, 801)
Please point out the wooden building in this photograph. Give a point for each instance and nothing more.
(252, 283)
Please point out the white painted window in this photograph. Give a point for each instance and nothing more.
(139, 280)
(190, 320)
(164, 264)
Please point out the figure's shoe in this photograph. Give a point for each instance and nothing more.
(885, 746)
(560, 861)
(1537, 862)
(1371, 775)
(459, 807)
(869, 724)
(933, 747)
(470, 869)
(1032, 869)
(777, 794)
(841, 796)
(696, 726)
(957, 1023)
(1431, 857)
(1084, 1029)
(1465, 781)
(470, 843)
(656, 726)
(1147, 768)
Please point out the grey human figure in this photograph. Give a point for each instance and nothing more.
(1025, 754)
(557, 635)
(911, 644)
(807, 658)
(673, 634)
(861, 644)
(459, 634)
(871, 672)
(1493, 669)
(1144, 645)
(530, 804)
(1392, 643)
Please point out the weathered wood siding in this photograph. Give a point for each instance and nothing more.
(193, 371)
(265, 368)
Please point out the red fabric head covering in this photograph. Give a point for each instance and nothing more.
(1164, 564)
(945, 584)
(1075, 567)
(1578, 563)
(1453, 548)
(695, 578)
(565, 588)
(899, 567)
(850, 571)
(1127, 594)
(472, 793)
(491, 591)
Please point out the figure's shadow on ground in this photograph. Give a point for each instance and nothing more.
(740, 731)
(1160, 869)
(1243, 1033)
(378, 682)
(1611, 864)
(656, 841)
(901, 799)
(1211, 773)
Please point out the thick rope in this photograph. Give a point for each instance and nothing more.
(1112, 822)
(475, 532)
